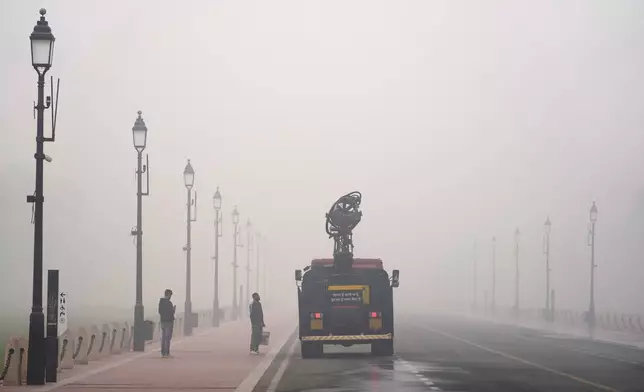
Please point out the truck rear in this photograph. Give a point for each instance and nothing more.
(346, 306)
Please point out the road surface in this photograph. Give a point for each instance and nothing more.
(452, 353)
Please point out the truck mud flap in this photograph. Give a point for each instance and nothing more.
(387, 336)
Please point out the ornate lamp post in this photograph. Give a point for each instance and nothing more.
(591, 234)
(139, 137)
(42, 53)
(249, 244)
(517, 234)
(257, 246)
(189, 181)
(547, 228)
(216, 202)
(474, 273)
(235, 265)
(493, 274)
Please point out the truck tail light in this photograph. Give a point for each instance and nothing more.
(375, 321)
(317, 324)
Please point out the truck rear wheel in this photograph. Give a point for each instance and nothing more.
(312, 350)
(382, 348)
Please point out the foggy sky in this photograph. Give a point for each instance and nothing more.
(457, 121)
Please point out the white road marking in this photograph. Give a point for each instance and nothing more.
(581, 351)
(605, 356)
(280, 372)
(253, 378)
(422, 378)
(517, 359)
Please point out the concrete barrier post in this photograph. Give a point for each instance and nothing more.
(82, 347)
(10, 373)
(129, 339)
(23, 359)
(66, 351)
(125, 347)
(115, 339)
(104, 341)
(94, 344)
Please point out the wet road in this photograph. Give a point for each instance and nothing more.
(458, 354)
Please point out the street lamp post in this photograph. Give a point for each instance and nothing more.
(241, 291)
(475, 271)
(235, 265)
(189, 181)
(257, 245)
(591, 234)
(216, 201)
(42, 52)
(517, 234)
(266, 272)
(249, 244)
(139, 136)
(493, 274)
(546, 251)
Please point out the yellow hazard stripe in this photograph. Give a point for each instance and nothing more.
(348, 337)
(347, 287)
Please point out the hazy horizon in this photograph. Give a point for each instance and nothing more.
(457, 122)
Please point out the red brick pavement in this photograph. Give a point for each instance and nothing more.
(213, 359)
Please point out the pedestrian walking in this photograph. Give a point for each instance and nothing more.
(257, 324)
(166, 317)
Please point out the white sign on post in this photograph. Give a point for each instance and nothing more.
(62, 313)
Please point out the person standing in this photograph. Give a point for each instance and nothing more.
(166, 317)
(257, 324)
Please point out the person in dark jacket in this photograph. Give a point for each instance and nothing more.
(257, 324)
(166, 317)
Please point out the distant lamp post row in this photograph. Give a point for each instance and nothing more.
(42, 54)
(549, 297)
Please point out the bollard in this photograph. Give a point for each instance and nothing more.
(23, 359)
(9, 374)
(631, 323)
(178, 324)
(119, 332)
(67, 349)
(129, 340)
(104, 341)
(93, 344)
(125, 347)
(115, 339)
(82, 340)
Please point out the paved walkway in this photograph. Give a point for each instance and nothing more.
(212, 359)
